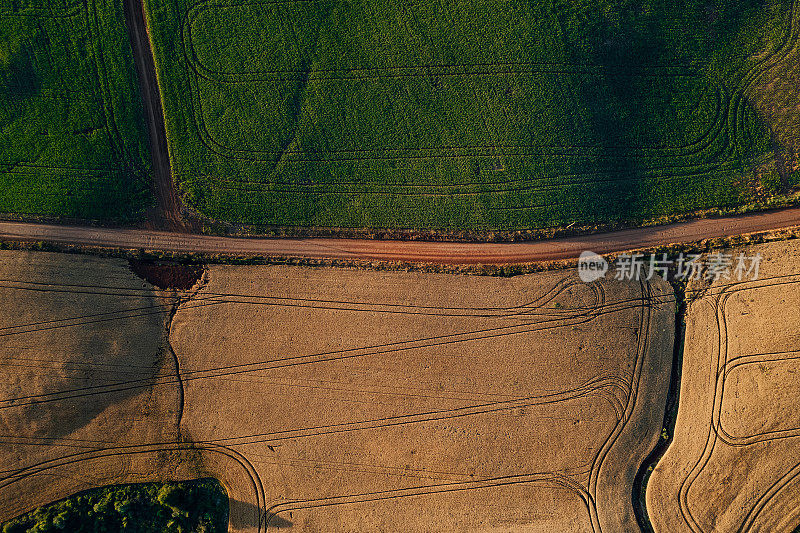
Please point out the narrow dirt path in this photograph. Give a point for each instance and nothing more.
(422, 252)
(167, 214)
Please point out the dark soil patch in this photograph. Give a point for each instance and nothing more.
(167, 275)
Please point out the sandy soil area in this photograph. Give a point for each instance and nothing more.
(336, 400)
(735, 460)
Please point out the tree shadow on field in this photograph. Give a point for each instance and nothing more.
(245, 515)
(278, 522)
(627, 44)
(611, 97)
(18, 76)
(98, 372)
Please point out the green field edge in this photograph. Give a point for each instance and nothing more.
(206, 226)
(209, 226)
(203, 224)
(136, 195)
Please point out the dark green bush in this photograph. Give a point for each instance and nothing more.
(189, 507)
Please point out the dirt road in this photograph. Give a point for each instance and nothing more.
(423, 252)
(168, 212)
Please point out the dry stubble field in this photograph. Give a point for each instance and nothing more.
(733, 465)
(72, 331)
(337, 400)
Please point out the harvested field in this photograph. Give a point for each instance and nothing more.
(484, 114)
(73, 326)
(336, 400)
(324, 399)
(73, 142)
(367, 400)
(734, 461)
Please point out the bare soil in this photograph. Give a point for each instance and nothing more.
(450, 253)
(167, 275)
(167, 212)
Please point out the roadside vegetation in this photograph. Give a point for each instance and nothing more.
(190, 507)
(73, 141)
(467, 114)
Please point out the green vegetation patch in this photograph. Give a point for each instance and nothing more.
(479, 114)
(191, 507)
(73, 141)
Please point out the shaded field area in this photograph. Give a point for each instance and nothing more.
(74, 325)
(189, 507)
(73, 142)
(480, 115)
(329, 399)
(733, 464)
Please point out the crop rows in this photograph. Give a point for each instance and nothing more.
(620, 393)
(456, 114)
(73, 142)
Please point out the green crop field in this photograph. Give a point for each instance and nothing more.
(73, 140)
(480, 114)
